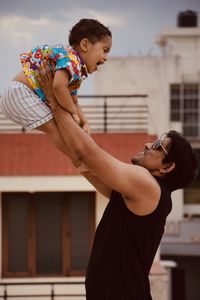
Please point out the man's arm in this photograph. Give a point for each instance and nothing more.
(45, 80)
(95, 181)
(134, 182)
(98, 184)
(140, 190)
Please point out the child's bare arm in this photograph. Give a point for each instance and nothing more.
(83, 120)
(62, 94)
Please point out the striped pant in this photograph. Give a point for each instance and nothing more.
(21, 105)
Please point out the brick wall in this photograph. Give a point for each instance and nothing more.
(35, 155)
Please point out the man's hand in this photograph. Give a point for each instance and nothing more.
(83, 169)
(45, 80)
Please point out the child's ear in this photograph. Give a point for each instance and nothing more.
(84, 44)
(168, 167)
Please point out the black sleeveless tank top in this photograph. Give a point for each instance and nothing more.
(124, 247)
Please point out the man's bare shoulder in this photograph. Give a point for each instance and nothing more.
(144, 194)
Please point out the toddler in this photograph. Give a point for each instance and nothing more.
(24, 102)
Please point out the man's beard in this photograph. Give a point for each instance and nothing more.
(135, 161)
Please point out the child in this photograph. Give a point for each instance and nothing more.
(24, 101)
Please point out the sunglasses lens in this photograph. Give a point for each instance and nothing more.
(156, 145)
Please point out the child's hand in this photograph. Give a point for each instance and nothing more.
(83, 169)
(86, 127)
(76, 118)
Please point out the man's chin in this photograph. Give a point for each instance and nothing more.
(133, 161)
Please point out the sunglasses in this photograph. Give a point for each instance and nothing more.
(157, 145)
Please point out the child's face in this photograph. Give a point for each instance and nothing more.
(96, 54)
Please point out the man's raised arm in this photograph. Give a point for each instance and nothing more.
(134, 182)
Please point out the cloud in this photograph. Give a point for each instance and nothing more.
(134, 24)
(109, 19)
(68, 10)
(114, 18)
(14, 31)
(25, 31)
(21, 31)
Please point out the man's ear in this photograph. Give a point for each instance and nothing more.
(167, 167)
(84, 43)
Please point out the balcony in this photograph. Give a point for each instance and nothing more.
(119, 124)
(106, 113)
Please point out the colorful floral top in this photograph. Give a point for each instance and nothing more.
(64, 58)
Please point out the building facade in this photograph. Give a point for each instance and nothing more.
(49, 212)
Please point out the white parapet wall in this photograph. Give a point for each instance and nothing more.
(159, 282)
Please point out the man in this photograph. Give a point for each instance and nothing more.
(132, 225)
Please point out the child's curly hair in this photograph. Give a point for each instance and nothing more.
(91, 29)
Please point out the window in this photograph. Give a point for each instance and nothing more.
(192, 193)
(185, 107)
(47, 234)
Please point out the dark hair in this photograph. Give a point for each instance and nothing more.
(91, 29)
(181, 153)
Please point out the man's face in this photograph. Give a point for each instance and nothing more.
(152, 159)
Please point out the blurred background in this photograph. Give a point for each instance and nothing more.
(149, 85)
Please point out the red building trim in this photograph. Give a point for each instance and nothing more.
(35, 155)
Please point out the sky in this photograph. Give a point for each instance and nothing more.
(134, 24)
